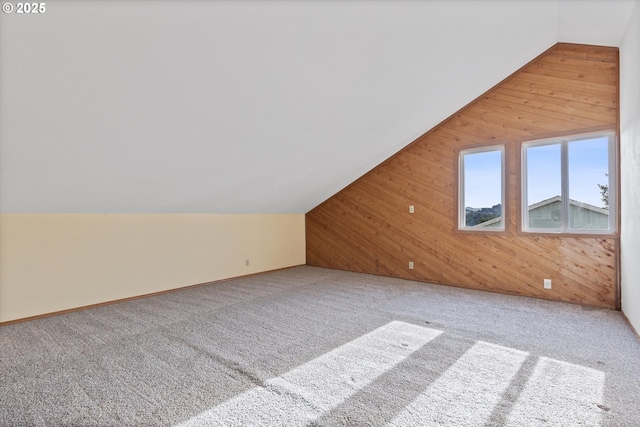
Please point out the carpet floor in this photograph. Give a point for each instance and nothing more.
(318, 347)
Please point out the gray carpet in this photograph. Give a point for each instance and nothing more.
(311, 346)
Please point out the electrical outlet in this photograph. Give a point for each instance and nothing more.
(547, 283)
(411, 209)
(410, 265)
(246, 262)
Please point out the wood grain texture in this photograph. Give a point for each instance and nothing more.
(367, 226)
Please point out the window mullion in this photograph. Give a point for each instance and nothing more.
(612, 183)
(524, 184)
(461, 207)
(566, 203)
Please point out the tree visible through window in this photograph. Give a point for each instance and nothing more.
(567, 184)
(481, 192)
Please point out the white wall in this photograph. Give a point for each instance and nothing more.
(173, 106)
(630, 167)
(54, 262)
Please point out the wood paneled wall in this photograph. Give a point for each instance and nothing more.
(367, 226)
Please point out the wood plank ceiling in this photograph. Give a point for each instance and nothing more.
(367, 226)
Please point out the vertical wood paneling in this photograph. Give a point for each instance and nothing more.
(367, 226)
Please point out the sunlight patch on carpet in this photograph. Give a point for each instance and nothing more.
(310, 390)
(560, 390)
(467, 392)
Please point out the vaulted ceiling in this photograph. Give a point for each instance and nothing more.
(247, 106)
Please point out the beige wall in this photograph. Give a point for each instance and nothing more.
(53, 262)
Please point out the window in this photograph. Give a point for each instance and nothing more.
(481, 189)
(568, 184)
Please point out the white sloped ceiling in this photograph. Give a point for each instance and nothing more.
(247, 106)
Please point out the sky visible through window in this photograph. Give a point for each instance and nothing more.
(588, 167)
(544, 173)
(482, 179)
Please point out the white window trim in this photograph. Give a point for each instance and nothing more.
(461, 201)
(564, 161)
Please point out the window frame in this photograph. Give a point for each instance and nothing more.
(564, 141)
(461, 213)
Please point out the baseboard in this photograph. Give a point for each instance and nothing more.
(152, 294)
(631, 325)
(491, 291)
